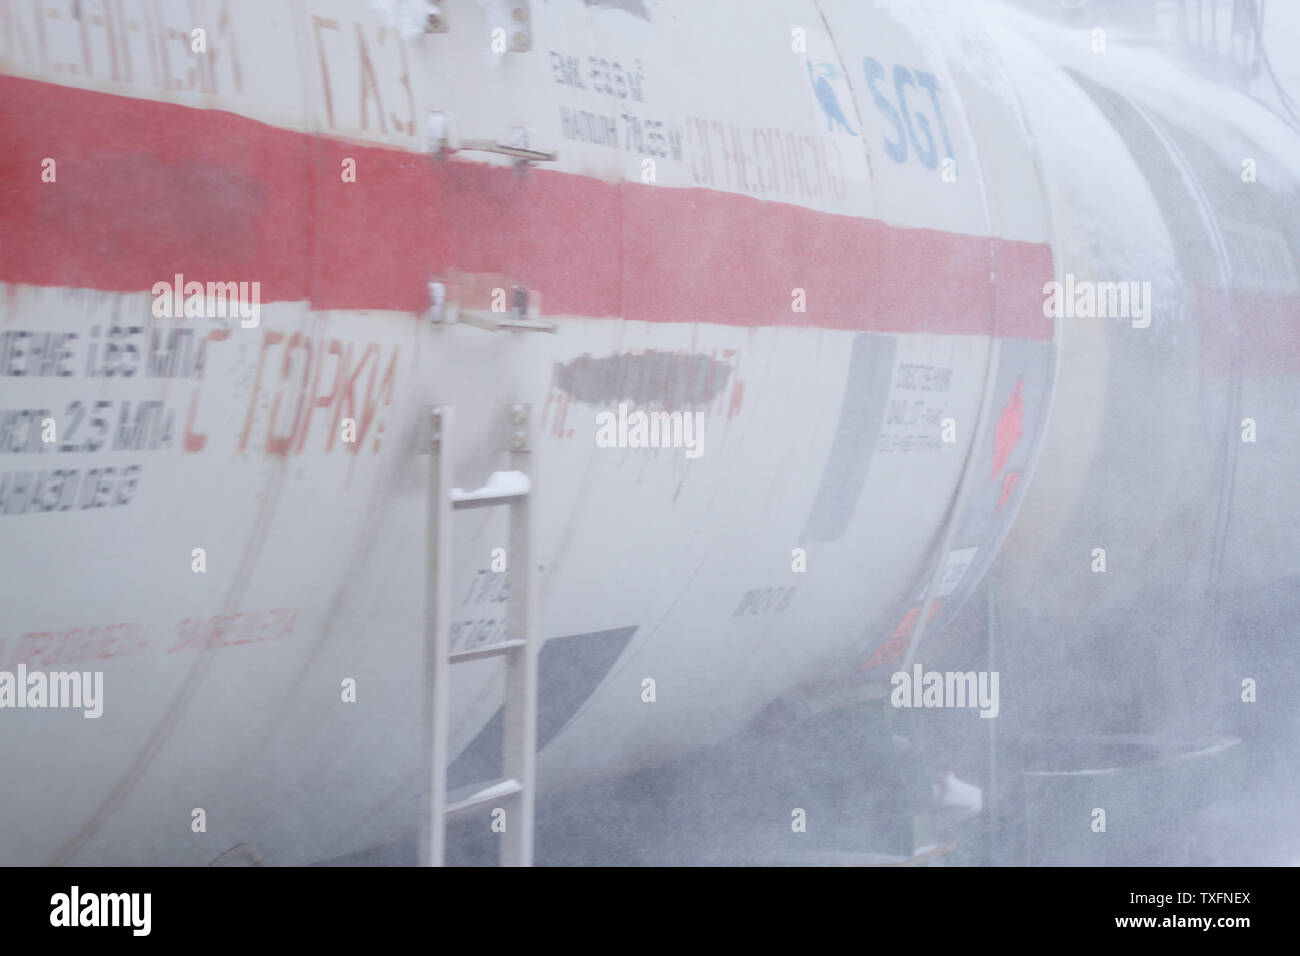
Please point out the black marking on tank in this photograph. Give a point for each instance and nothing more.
(866, 393)
(675, 380)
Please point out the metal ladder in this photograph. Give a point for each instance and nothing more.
(515, 791)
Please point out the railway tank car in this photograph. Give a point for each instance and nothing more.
(827, 244)
(1160, 457)
(1147, 582)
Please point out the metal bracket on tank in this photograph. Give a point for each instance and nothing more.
(512, 17)
(436, 19)
(520, 154)
(441, 141)
(515, 18)
(486, 302)
(517, 147)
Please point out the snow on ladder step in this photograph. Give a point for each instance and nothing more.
(501, 487)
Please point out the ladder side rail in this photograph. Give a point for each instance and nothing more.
(519, 745)
(437, 643)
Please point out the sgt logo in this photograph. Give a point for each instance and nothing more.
(102, 909)
(821, 75)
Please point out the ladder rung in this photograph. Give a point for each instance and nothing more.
(480, 794)
(502, 487)
(494, 322)
(460, 504)
(487, 650)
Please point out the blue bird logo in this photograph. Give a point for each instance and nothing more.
(821, 78)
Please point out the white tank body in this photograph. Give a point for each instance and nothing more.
(798, 264)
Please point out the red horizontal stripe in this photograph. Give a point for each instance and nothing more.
(1258, 332)
(146, 189)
